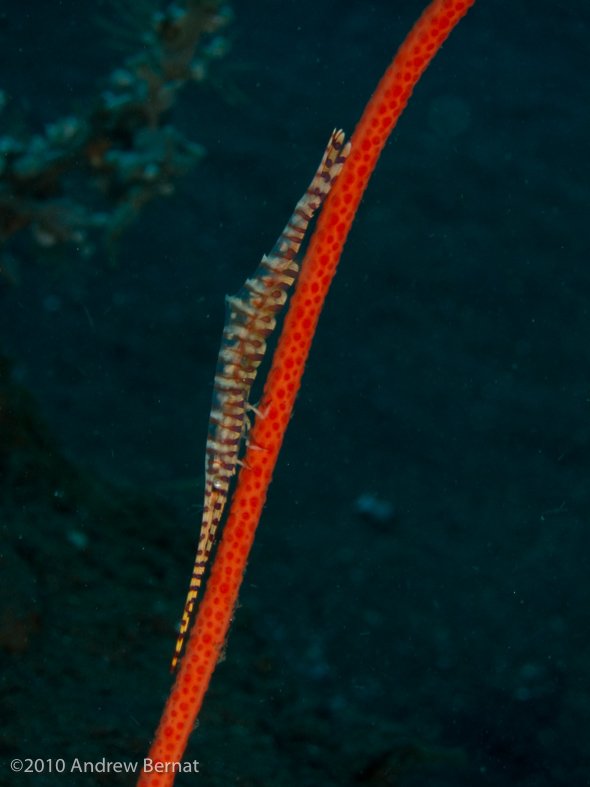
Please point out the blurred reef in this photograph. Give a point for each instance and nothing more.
(98, 169)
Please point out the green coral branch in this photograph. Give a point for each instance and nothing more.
(122, 148)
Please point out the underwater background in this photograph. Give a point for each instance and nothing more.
(442, 639)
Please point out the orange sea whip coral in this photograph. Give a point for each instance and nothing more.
(318, 268)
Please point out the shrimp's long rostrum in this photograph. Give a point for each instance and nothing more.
(251, 319)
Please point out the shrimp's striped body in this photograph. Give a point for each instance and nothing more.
(251, 319)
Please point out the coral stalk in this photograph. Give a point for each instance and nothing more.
(215, 612)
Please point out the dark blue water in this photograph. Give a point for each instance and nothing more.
(447, 645)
